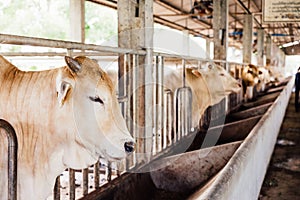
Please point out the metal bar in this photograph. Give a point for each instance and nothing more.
(178, 10)
(109, 171)
(85, 181)
(31, 41)
(183, 111)
(183, 116)
(242, 5)
(159, 95)
(12, 159)
(72, 184)
(96, 175)
(183, 72)
(53, 54)
(135, 76)
(168, 113)
(56, 190)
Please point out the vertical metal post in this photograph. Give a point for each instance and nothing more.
(12, 159)
(72, 184)
(56, 190)
(159, 103)
(85, 181)
(183, 112)
(168, 122)
(135, 77)
(109, 171)
(96, 175)
(268, 50)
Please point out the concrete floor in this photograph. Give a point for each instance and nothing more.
(282, 180)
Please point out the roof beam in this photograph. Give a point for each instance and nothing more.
(165, 22)
(175, 9)
(242, 5)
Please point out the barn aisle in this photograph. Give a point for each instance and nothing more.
(282, 180)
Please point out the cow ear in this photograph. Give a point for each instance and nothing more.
(196, 73)
(72, 64)
(63, 92)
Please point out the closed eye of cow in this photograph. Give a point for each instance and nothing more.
(96, 99)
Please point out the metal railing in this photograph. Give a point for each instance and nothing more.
(173, 112)
(12, 159)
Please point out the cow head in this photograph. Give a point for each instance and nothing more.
(100, 127)
(219, 82)
(250, 75)
(209, 85)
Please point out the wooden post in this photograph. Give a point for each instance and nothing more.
(247, 38)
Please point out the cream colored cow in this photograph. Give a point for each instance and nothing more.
(66, 117)
(209, 86)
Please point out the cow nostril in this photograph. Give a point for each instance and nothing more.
(129, 147)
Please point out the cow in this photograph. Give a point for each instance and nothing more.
(276, 75)
(64, 118)
(249, 76)
(264, 79)
(209, 86)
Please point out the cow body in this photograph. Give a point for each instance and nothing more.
(57, 124)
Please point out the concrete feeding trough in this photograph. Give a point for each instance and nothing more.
(243, 175)
(188, 170)
(225, 162)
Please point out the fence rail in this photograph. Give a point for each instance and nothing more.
(170, 105)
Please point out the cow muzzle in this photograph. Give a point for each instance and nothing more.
(129, 147)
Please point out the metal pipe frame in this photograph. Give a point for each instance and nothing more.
(159, 104)
(181, 123)
(168, 115)
(31, 41)
(12, 159)
(182, 113)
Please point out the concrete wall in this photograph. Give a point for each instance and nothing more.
(243, 175)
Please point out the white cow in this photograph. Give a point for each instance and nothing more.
(264, 78)
(209, 86)
(66, 117)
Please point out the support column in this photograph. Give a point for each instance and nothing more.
(220, 27)
(135, 30)
(260, 46)
(77, 22)
(247, 38)
(208, 49)
(268, 50)
(186, 42)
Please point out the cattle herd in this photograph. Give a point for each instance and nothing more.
(69, 117)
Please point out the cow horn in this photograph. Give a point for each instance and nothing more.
(73, 65)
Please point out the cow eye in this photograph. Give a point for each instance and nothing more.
(96, 99)
(222, 74)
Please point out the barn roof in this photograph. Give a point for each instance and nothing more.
(179, 14)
